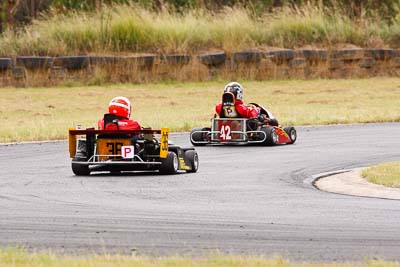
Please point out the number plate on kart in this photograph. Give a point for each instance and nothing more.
(111, 147)
(228, 130)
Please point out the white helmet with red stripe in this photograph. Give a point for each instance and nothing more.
(120, 106)
(235, 88)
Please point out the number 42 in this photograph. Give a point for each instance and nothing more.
(225, 132)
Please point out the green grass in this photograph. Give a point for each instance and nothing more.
(132, 29)
(20, 258)
(46, 113)
(387, 174)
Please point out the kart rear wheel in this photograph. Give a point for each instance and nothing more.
(80, 169)
(291, 131)
(193, 158)
(271, 137)
(170, 164)
(196, 136)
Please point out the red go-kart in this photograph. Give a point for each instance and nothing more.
(262, 130)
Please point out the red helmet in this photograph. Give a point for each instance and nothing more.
(120, 106)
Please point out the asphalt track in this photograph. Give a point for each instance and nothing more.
(243, 201)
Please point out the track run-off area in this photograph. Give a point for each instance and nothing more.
(244, 200)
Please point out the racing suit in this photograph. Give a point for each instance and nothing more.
(119, 124)
(240, 110)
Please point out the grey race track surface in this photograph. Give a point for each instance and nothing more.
(243, 201)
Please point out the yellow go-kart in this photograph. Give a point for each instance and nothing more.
(127, 150)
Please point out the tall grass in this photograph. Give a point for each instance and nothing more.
(130, 28)
(314, 25)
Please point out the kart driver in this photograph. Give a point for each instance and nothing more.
(235, 108)
(119, 110)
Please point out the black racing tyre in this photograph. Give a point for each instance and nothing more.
(291, 131)
(247, 57)
(34, 63)
(170, 164)
(271, 136)
(5, 63)
(195, 136)
(72, 62)
(80, 169)
(193, 158)
(213, 59)
(282, 55)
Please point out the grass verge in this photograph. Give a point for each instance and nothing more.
(29, 114)
(387, 174)
(20, 258)
(130, 28)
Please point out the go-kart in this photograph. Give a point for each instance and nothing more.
(127, 150)
(262, 130)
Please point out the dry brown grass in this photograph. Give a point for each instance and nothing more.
(46, 113)
(19, 258)
(127, 71)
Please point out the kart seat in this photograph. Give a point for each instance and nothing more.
(111, 123)
(228, 109)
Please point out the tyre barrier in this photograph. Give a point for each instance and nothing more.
(213, 59)
(313, 55)
(298, 63)
(348, 54)
(33, 63)
(72, 62)
(275, 63)
(177, 59)
(145, 61)
(280, 56)
(245, 57)
(381, 54)
(102, 60)
(5, 64)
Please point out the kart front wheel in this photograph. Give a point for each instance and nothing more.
(271, 136)
(193, 159)
(291, 131)
(79, 169)
(170, 164)
(198, 136)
